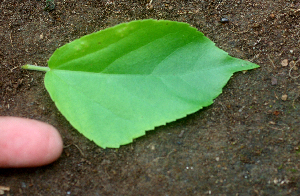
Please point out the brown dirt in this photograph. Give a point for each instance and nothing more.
(246, 143)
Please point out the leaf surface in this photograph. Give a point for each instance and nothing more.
(115, 84)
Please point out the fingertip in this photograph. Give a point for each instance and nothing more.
(28, 143)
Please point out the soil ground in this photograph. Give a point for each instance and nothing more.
(246, 143)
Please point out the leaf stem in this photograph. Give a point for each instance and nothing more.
(36, 68)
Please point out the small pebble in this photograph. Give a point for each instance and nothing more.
(28, 143)
(284, 97)
(274, 81)
(285, 62)
(224, 20)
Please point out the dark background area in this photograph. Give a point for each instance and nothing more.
(246, 143)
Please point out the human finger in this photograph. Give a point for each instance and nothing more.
(28, 143)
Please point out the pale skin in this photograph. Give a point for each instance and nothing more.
(28, 143)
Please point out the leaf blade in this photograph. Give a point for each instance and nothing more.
(150, 73)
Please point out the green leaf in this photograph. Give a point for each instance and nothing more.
(115, 84)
